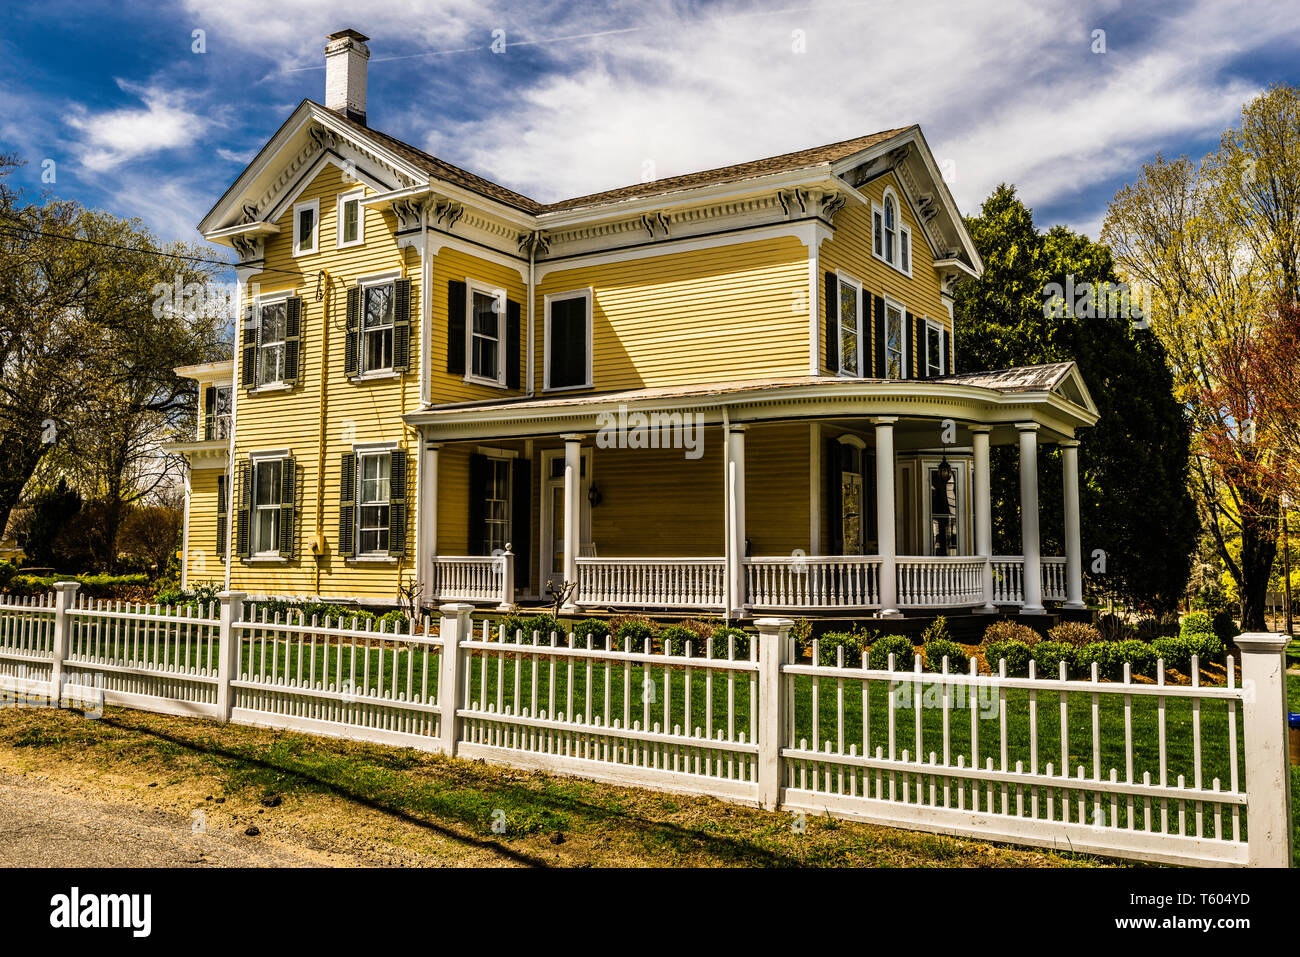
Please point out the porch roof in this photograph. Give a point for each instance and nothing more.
(1053, 396)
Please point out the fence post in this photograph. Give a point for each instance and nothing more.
(453, 628)
(65, 594)
(773, 652)
(507, 579)
(232, 610)
(1268, 776)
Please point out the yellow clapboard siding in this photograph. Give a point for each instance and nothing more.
(204, 564)
(850, 250)
(706, 315)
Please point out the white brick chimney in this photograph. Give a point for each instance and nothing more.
(346, 54)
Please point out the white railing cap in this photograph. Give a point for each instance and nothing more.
(1261, 641)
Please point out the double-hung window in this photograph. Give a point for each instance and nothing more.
(891, 239)
(373, 497)
(895, 341)
(568, 340)
(496, 505)
(306, 225)
(272, 326)
(850, 313)
(487, 317)
(351, 223)
(377, 328)
(267, 476)
(934, 357)
(216, 412)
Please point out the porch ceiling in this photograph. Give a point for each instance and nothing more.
(1052, 396)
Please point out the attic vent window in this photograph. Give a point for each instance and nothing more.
(306, 223)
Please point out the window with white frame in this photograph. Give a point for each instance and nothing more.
(891, 239)
(351, 223)
(377, 327)
(487, 316)
(934, 357)
(496, 505)
(374, 472)
(568, 340)
(306, 225)
(265, 504)
(272, 326)
(895, 341)
(216, 412)
(850, 327)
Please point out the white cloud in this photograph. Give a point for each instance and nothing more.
(114, 137)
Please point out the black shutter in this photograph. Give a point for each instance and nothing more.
(521, 519)
(514, 353)
(869, 496)
(223, 513)
(352, 327)
(347, 504)
(209, 413)
(879, 307)
(834, 492)
(288, 532)
(478, 473)
(455, 327)
(397, 503)
(248, 345)
(245, 476)
(401, 325)
(947, 350)
(910, 335)
(833, 323)
(292, 338)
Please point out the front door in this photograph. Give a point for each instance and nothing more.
(552, 537)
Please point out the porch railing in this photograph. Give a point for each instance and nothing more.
(652, 582)
(1054, 579)
(807, 581)
(477, 578)
(1009, 579)
(940, 582)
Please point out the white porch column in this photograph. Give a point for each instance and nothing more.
(983, 511)
(572, 511)
(426, 529)
(885, 519)
(736, 519)
(1073, 545)
(1029, 547)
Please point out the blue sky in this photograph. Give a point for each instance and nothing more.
(590, 96)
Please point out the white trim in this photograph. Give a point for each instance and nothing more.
(902, 320)
(842, 277)
(360, 451)
(499, 294)
(255, 459)
(545, 543)
(314, 206)
(902, 232)
(588, 294)
(260, 300)
(343, 199)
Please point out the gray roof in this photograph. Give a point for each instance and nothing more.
(1041, 378)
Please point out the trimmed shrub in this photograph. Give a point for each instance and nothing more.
(1176, 652)
(721, 643)
(1140, 655)
(1048, 656)
(634, 631)
(1076, 634)
(675, 637)
(594, 627)
(900, 646)
(936, 649)
(1101, 652)
(1007, 630)
(1197, 623)
(854, 643)
(1207, 648)
(1017, 654)
(1109, 628)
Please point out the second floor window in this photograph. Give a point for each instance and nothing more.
(485, 335)
(271, 341)
(306, 218)
(934, 358)
(350, 224)
(568, 340)
(891, 239)
(377, 329)
(216, 412)
(850, 328)
(895, 349)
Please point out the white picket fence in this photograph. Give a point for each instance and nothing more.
(1183, 774)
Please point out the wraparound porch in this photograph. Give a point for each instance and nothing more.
(848, 510)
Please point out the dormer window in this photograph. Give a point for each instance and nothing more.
(891, 239)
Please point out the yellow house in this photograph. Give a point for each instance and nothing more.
(731, 391)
